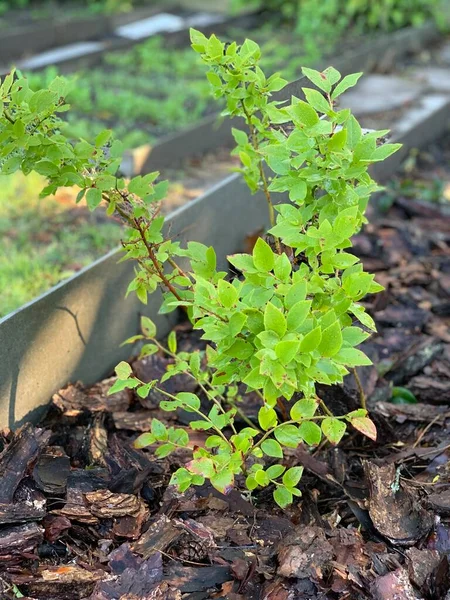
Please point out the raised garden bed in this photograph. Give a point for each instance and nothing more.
(373, 519)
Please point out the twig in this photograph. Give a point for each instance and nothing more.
(362, 395)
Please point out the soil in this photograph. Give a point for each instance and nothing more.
(84, 515)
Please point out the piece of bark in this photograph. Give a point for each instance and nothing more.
(304, 554)
(160, 534)
(196, 579)
(421, 565)
(130, 527)
(98, 442)
(73, 400)
(60, 583)
(394, 586)
(440, 501)
(422, 413)
(106, 505)
(52, 471)
(412, 361)
(131, 576)
(76, 508)
(395, 511)
(129, 468)
(20, 538)
(140, 420)
(55, 526)
(430, 390)
(20, 512)
(23, 450)
(99, 397)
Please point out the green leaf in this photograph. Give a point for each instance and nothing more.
(251, 483)
(201, 425)
(123, 370)
(275, 471)
(346, 83)
(297, 314)
(189, 401)
(121, 384)
(304, 114)
(148, 327)
(311, 340)
(172, 342)
(164, 450)
(292, 476)
(337, 141)
(144, 440)
(282, 496)
(240, 137)
(295, 294)
(297, 193)
(331, 341)
(310, 432)
(304, 409)
(288, 435)
(316, 100)
(254, 379)
(223, 481)
(401, 395)
(333, 429)
(263, 256)
(261, 478)
(272, 448)
(287, 350)
(274, 320)
(159, 430)
(227, 293)
(267, 418)
(318, 79)
(352, 357)
(102, 138)
(282, 267)
(382, 152)
(93, 198)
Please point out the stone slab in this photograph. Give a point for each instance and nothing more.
(61, 54)
(380, 93)
(444, 54)
(436, 78)
(203, 19)
(144, 28)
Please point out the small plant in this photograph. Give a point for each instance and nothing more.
(288, 320)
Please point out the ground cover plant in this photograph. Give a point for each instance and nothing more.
(289, 318)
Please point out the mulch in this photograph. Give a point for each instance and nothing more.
(83, 515)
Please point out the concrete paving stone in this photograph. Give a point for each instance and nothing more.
(436, 78)
(147, 27)
(61, 54)
(379, 93)
(203, 19)
(422, 110)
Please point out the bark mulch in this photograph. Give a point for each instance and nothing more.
(83, 515)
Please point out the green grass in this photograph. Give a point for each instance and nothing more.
(44, 241)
